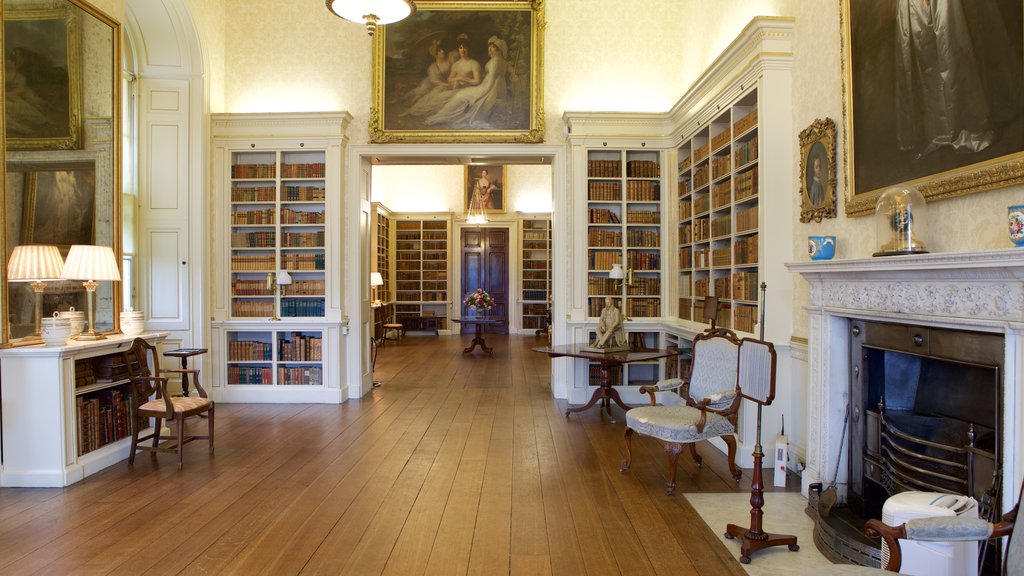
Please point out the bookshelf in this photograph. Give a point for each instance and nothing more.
(65, 410)
(535, 278)
(718, 183)
(634, 373)
(624, 222)
(422, 252)
(382, 249)
(279, 182)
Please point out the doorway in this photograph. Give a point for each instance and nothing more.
(484, 260)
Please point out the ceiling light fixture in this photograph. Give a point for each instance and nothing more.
(372, 13)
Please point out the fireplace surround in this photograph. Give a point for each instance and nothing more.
(980, 292)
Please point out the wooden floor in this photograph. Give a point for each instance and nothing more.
(456, 465)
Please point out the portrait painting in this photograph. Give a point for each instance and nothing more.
(465, 72)
(934, 97)
(818, 171)
(485, 188)
(59, 207)
(42, 79)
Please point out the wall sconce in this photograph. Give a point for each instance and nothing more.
(625, 277)
(35, 263)
(279, 280)
(91, 264)
(375, 280)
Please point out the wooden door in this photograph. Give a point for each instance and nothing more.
(485, 265)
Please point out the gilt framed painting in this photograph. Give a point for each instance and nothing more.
(460, 72)
(933, 97)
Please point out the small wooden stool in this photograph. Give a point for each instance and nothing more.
(398, 329)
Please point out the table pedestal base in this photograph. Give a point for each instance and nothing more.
(478, 340)
(605, 393)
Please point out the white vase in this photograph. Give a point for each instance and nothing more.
(55, 331)
(132, 323)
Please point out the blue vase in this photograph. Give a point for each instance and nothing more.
(1015, 222)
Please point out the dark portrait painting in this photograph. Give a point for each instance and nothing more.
(42, 81)
(464, 73)
(485, 187)
(934, 92)
(59, 207)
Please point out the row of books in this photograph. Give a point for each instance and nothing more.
(295, 193)
(535, 285)
(721, 194)
(302, 308)
(240, 287)
(746, 123)
(604, 169)
(263, 239)
(746, 183)
(299, 376)
(537, 235)
(534, 322)
(597, 285)
(603, 259)
(643, 216)
(643, 307)
(600, 237)
(720, 139)
(642, 169)
(303, 261)
(685, 209)
(745, 250)
(417, 296)
(685, 258)
(603, 216)
(249, 351)
(310, 170)
(252, 309)
(721, 226)
(644, 286)
(745, 317)
(289, 216)
(744, 286)
(701, 152)
(103, 417)
(647, 261)
(643, 238)
(303, 239)
(695, 231)
(535, 309)
(299, 347)
(701, 204)
(684, 186)
(701, 176)
(746, 219)
(721, 257)
(719, 167)
(604, 191)
(642, 191)
(250, 262)
(435, 255)
(535, 275)
(246, 375)
(253, 193)
(745, 152)
(305, 288)
(254, 171)
(253, 216)
(535, 264)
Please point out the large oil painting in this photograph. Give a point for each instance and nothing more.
(42, 78)
(934, 97)
(460, 72)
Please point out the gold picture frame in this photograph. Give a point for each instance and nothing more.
(818, 171)
(486, 186)
(891, 137)
(460, 72)
(43, 78)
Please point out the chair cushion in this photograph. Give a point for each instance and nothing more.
(180, 403)
(676, 423)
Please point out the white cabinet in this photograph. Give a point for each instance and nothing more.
(277, 241)
(64, 410)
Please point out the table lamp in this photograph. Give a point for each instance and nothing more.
(375, 280)
(91, 264)
(35, 263)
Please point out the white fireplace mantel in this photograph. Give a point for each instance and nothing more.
(980, 291)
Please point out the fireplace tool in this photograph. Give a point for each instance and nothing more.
(756, 373)
(827, 499)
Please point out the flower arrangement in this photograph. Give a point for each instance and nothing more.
(478, 301)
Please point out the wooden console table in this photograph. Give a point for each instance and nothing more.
(478, 338)
(605, 392)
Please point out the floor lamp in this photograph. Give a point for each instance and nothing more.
(756, 372)
(91, 264)
(35, 263)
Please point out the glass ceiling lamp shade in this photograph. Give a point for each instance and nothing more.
(35, 263)
(91, 264)
(372, 13)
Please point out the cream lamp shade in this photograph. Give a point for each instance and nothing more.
(376, 279)
(284, 278)
(34, 262)
(372, 13)
(616, 272)
(95, 263)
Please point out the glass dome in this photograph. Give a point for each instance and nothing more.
(901, 222)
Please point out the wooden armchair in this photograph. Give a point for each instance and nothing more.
(151, 400)
(711, 403)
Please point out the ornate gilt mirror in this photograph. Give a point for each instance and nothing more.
(62, 136)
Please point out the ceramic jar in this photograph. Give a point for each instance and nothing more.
(821, 247)
(55, 331)
(132, 323)
(76, 318)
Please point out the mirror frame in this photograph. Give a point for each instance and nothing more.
(114, 178)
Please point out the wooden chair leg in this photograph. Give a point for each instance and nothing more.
(181, 437)
(692, 447)
(629, 450)
(672, 450)
(211, 427)
(156, 434)
(135, 441)
(730, 441)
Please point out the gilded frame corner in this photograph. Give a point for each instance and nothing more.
(950, 176)
(386, 125)
(818, 191)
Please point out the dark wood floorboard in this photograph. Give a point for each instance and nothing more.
(457, 464)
